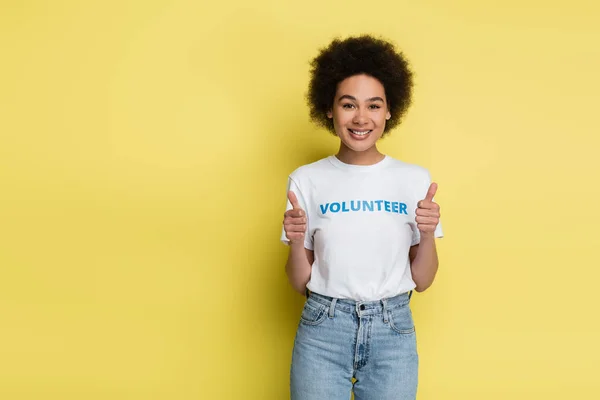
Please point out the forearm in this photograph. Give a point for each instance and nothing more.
(298, 267)
(425, 265)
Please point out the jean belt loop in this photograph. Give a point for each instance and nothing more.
(385, 313)
(332, 307)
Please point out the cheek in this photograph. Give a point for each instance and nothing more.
(341, 120)
(380, 119)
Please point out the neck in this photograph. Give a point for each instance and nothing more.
(367, 157)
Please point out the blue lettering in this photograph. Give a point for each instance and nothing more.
(365, 205)
(344, 208)
(403, 209)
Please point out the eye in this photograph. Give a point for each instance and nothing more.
(347, 105)
(374, 107)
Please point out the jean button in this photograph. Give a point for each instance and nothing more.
(362, 306)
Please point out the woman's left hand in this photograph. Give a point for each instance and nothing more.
(428, 212)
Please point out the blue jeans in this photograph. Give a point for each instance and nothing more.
(373, 342)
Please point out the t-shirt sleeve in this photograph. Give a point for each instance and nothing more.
(293, 186)
(420, 195)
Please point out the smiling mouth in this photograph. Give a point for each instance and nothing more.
(360, 133)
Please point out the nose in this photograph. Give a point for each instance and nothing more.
(360, 116)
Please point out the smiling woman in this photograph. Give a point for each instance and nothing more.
(359, 119)
(353, 56)
(359, 260)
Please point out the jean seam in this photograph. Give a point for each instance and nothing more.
(321, 315)
(397, 330)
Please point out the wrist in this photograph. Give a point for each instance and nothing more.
(427, 235)
(298, 243)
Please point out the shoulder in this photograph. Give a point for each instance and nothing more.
(408, 170)
(306, 171)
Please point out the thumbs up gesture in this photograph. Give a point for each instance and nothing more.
(428, 212)
(294, 221)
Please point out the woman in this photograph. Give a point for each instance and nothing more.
(361, 227)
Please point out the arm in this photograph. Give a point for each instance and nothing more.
(424, 262)
(299, 266)
(299, 263)
(424, 257)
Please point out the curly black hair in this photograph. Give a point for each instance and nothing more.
(362, 54)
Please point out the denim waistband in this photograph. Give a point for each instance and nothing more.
(363, 307)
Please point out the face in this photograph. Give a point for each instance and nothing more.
(359, 112)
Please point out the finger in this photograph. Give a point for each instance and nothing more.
(293, 213)
(427, 220)
(294, 221)
(431, 191)
(295, 232)
(294, 200)
(427, 205)
(295, 228)
(428, 212)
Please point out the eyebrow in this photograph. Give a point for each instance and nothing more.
(347, 96)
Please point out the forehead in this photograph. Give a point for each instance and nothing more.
(361, 86)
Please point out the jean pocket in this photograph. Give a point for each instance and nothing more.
(313, 313)
(401, 320)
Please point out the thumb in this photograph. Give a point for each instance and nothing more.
(294, 200)
(431, 191)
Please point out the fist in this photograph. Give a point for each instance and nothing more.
(294, 221)
(428, 212)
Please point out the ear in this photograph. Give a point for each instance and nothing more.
(388, 116)
(329, 114)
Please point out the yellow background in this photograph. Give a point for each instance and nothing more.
(144, 151)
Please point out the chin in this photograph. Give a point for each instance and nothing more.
(359, 147)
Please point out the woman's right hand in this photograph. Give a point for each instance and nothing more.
(294, 221)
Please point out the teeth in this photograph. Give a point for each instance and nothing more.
(359, 133)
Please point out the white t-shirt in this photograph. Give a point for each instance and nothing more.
(360, 225)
